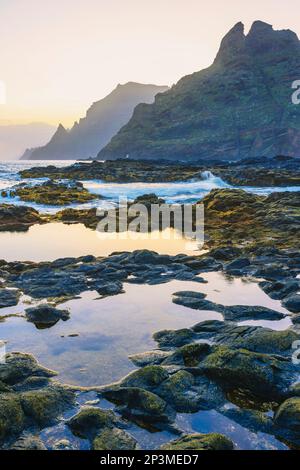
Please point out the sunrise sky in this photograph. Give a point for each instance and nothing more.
(59, 56)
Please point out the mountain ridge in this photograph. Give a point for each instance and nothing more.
(238, 107)
(102, 120)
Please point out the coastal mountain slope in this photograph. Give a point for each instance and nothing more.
(103, 119)
(239, 107)
(15, 138)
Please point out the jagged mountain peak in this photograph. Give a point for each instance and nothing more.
(239, 107)
(59, 134)
(232, 44)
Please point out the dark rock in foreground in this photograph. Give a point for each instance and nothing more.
(45, 316)
(30, 399)
(212, 441)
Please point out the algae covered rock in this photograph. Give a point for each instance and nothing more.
(170, 338)
(19, 366)
(287, 422)
(46, 404)
(189, 355)
(212, 441)
(12, 418)
(288, 415)
(139, 403)
(177, 391)
(257, 339)
(264, 375)
(53, 192)
(187, 393)
(89, 421)
(114, 439)
(28, 442)
(148, 377)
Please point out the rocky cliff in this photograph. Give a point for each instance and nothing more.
(239, 107)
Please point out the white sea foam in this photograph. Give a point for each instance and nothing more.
(182, 192)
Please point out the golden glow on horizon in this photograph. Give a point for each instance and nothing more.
(59, 56)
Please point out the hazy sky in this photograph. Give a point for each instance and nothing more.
(58, 56)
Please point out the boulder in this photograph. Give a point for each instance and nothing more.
(45, 316)
(114, 439)
(141, 404)
(9, 297)
(20, 366)
(12, 418)
(266, 376)
(287, 422)
(292, 303)
(28, 442)
(43, 406)
(212, 441)
(148, 377)
(90, 421)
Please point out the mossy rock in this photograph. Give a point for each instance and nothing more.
(44, 405)
(257, 339)
(19, 366)
(114, 439)
(54, 193)
(189, 355)
(28, 442)
(287, 422)
(212, 441)
(141, 403)
(148, 377)
(4, 387)
(288, 415)
(12, 419)
(171, 338)
(177, 392)
(89, 421)
(265, 375)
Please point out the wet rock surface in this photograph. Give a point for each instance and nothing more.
(52, 193)
(196, 300)
(211, 441)
(30, 400)
(243, 372)
(45, 316)
(8, 297)
(18, 218)
(259, 172)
